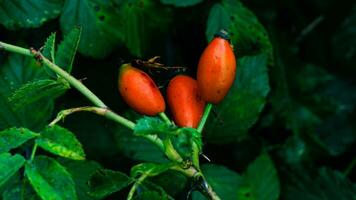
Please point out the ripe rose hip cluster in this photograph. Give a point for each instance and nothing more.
(186, 97)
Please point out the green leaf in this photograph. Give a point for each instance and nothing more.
(50, 179)
(81, 172)
(20, 189)
(14, 137)
(149, 169)
(149, 195)
(153, 126)
(261, 177)
(247, 34)
(174, 187)
(240, 109)
(224, 181)
(99, 22)
(17, 14)
(325, 184)
(181, 3)
(105, 182)
(68, 48)
(137, 148)
(15, 71)
(62, 142)
(151, 190)
(49, 48)
(38, 90)
(9, 165)
(142, 24)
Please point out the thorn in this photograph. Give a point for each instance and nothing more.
(206, 157)
(83, 79)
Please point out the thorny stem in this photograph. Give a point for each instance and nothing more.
(108, 114)
(198, 177)
(102, 110)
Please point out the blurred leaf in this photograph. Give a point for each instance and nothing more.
(141, 24)
(38, 90)
(62, 142)
(181, 3)
(344, 40)
(17, 14)
(9, 165)
(151, 190)
(224, 181)
(241, 107)
(261, 177)
(105, 182)
(49, 179)
(20, 190)
(14, 72)
(99, 22)
(148, 195)
(325, 184)
(149, 169)
(49, 48)
(14, 137)
(81, 172)
(137, 148)
(174, 187)
(247, 35)
(68, 48)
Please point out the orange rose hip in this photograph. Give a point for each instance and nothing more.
(216, 69)
(185, 102)
(139, 91)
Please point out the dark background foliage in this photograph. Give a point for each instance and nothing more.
(293, 101)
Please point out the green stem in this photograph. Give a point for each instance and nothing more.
(33, 153)
(197, 176)
(74, 82)
(204, 117)
(79, 86)
(135, 186)
(100, 111)
(165, 118)
(15, 49)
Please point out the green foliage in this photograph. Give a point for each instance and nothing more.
(97, 21)
(81, 172)
(37, 91)
(293, 99)
(15, 71)
(241, 107)
(28, 13)
(225, 182)
(325, 184)
(105, 182)
(62, 142)
(181, 3)
(50, 179)
(262, 180)
(49, 48)
(247, 35)
(9, 165)
(14, 137)
(67, 49)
